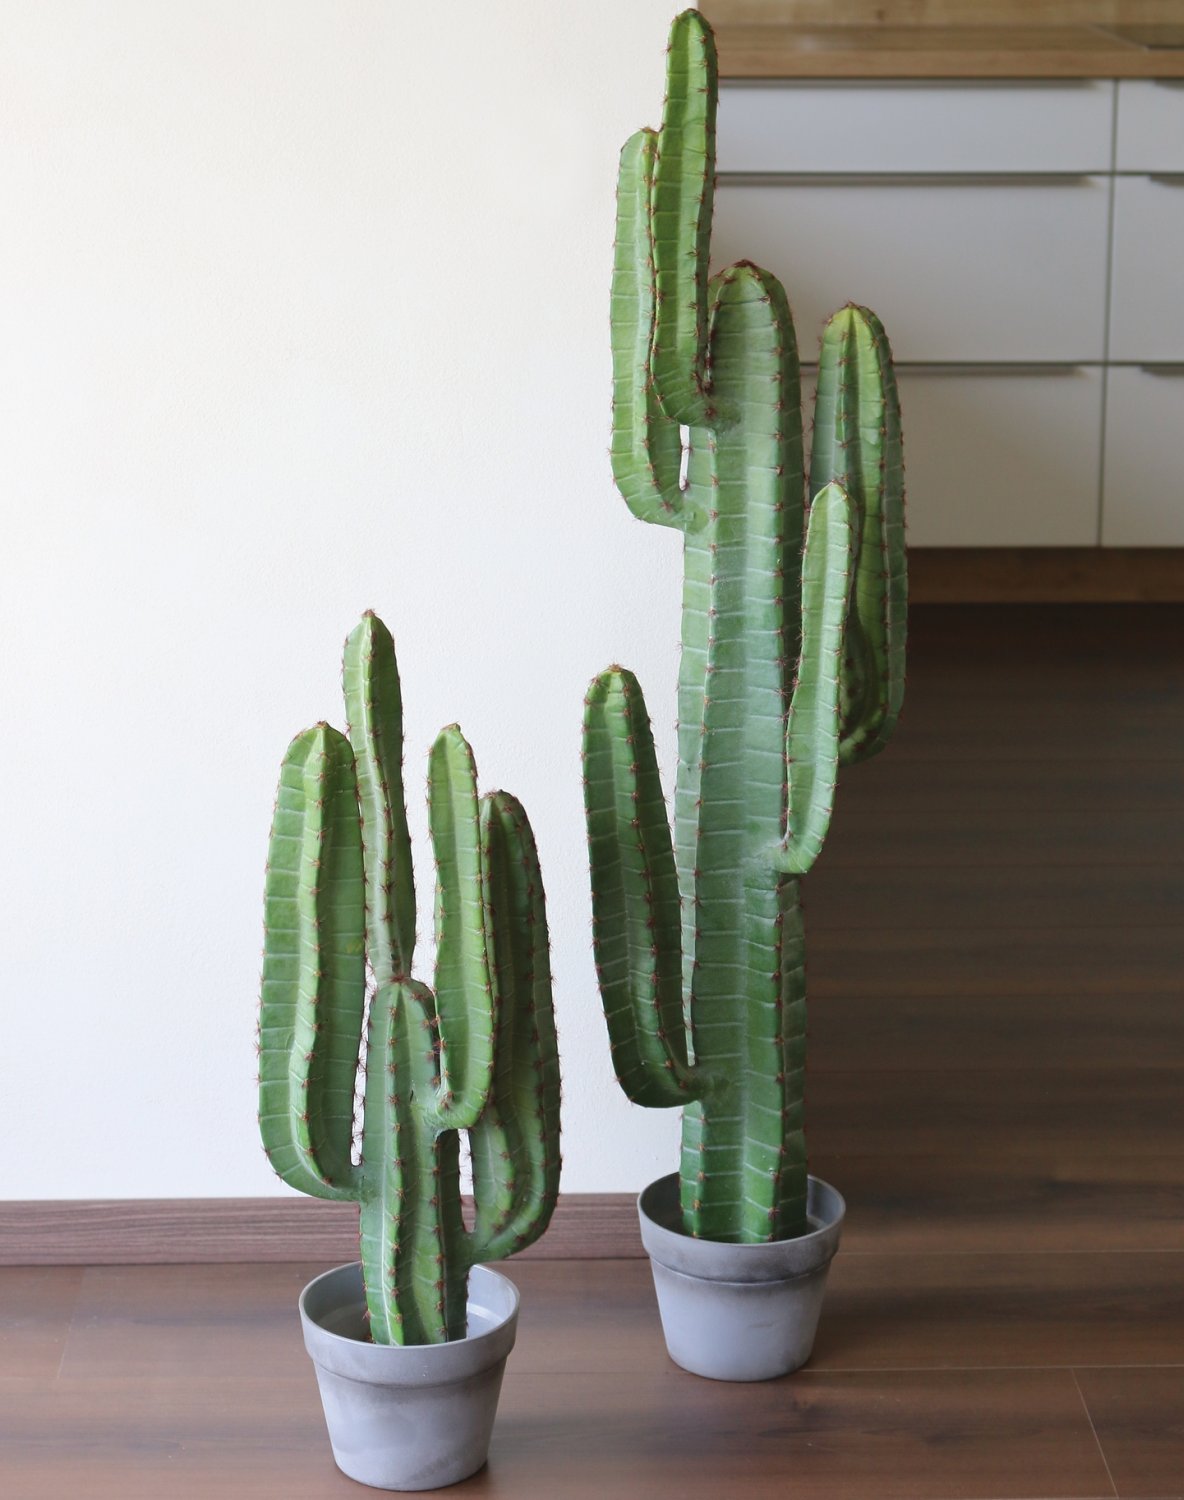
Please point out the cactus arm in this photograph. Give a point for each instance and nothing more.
(857, 441)
(374, 713)
(515, 1144)
(313, 989)
(812, 728)
(635, 900)
(683, 194)
(880, 601)
(646, 449)
(463, 984)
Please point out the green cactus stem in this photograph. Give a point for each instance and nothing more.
(476, 1052)
(792, 665)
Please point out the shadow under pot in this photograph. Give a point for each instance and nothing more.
(414, 1416)
(739, 1312)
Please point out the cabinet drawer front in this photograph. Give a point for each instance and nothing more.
(1000, 460)
(1150, 126)
(956, 273)
(1143, 488)
(907, 128)
(1147, 291)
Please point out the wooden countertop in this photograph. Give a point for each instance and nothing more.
(770, 50)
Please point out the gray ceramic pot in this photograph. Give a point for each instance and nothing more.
(739, 1312)
(411, 1418)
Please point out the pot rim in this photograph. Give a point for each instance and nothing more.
(414, 1364)
(725, 1261)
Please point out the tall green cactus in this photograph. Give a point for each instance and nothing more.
(792, 665)
(477, 1053)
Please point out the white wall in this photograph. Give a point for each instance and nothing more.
(303, 310)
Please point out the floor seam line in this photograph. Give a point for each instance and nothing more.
(1089, 1417)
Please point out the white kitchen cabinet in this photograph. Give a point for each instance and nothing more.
(1147, 296)
(1143, 482)
(1144, 478)
(1022, 243)
(911, 127)
(998, 460)
(1002, 460)
(1149, 125)
(955, 271)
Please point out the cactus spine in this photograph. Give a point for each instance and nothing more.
(477, 1052)
(792, 665)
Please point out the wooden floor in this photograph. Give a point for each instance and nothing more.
(997, 1085)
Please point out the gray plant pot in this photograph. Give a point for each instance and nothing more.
(739, 1312)
(415, 1417)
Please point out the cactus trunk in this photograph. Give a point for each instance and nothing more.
(709, 1012)
(739, 644)
(410, 1221)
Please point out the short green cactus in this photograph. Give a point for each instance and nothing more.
(792, 665)
(477, 1054)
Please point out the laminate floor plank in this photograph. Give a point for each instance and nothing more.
(874, 1033)
(978, 1435)
(1022, 1115)
(908, 1205)
(36, 1306)
(974, 1310)
(944, 720)
(994, 654)
(889, 1311)
(923, 1310)
(1001, 836)
(919, 788)
(963, 963)
(975, 1436)
(154, 1323)
(1139, 1419)
(169, 1322)
(931, 897)
(588, 1316)
(169, 1438)
(1067, 640)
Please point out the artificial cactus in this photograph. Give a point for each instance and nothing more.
(792, 665)
(476, 1052)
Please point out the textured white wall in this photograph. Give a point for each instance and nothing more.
(303, 310)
